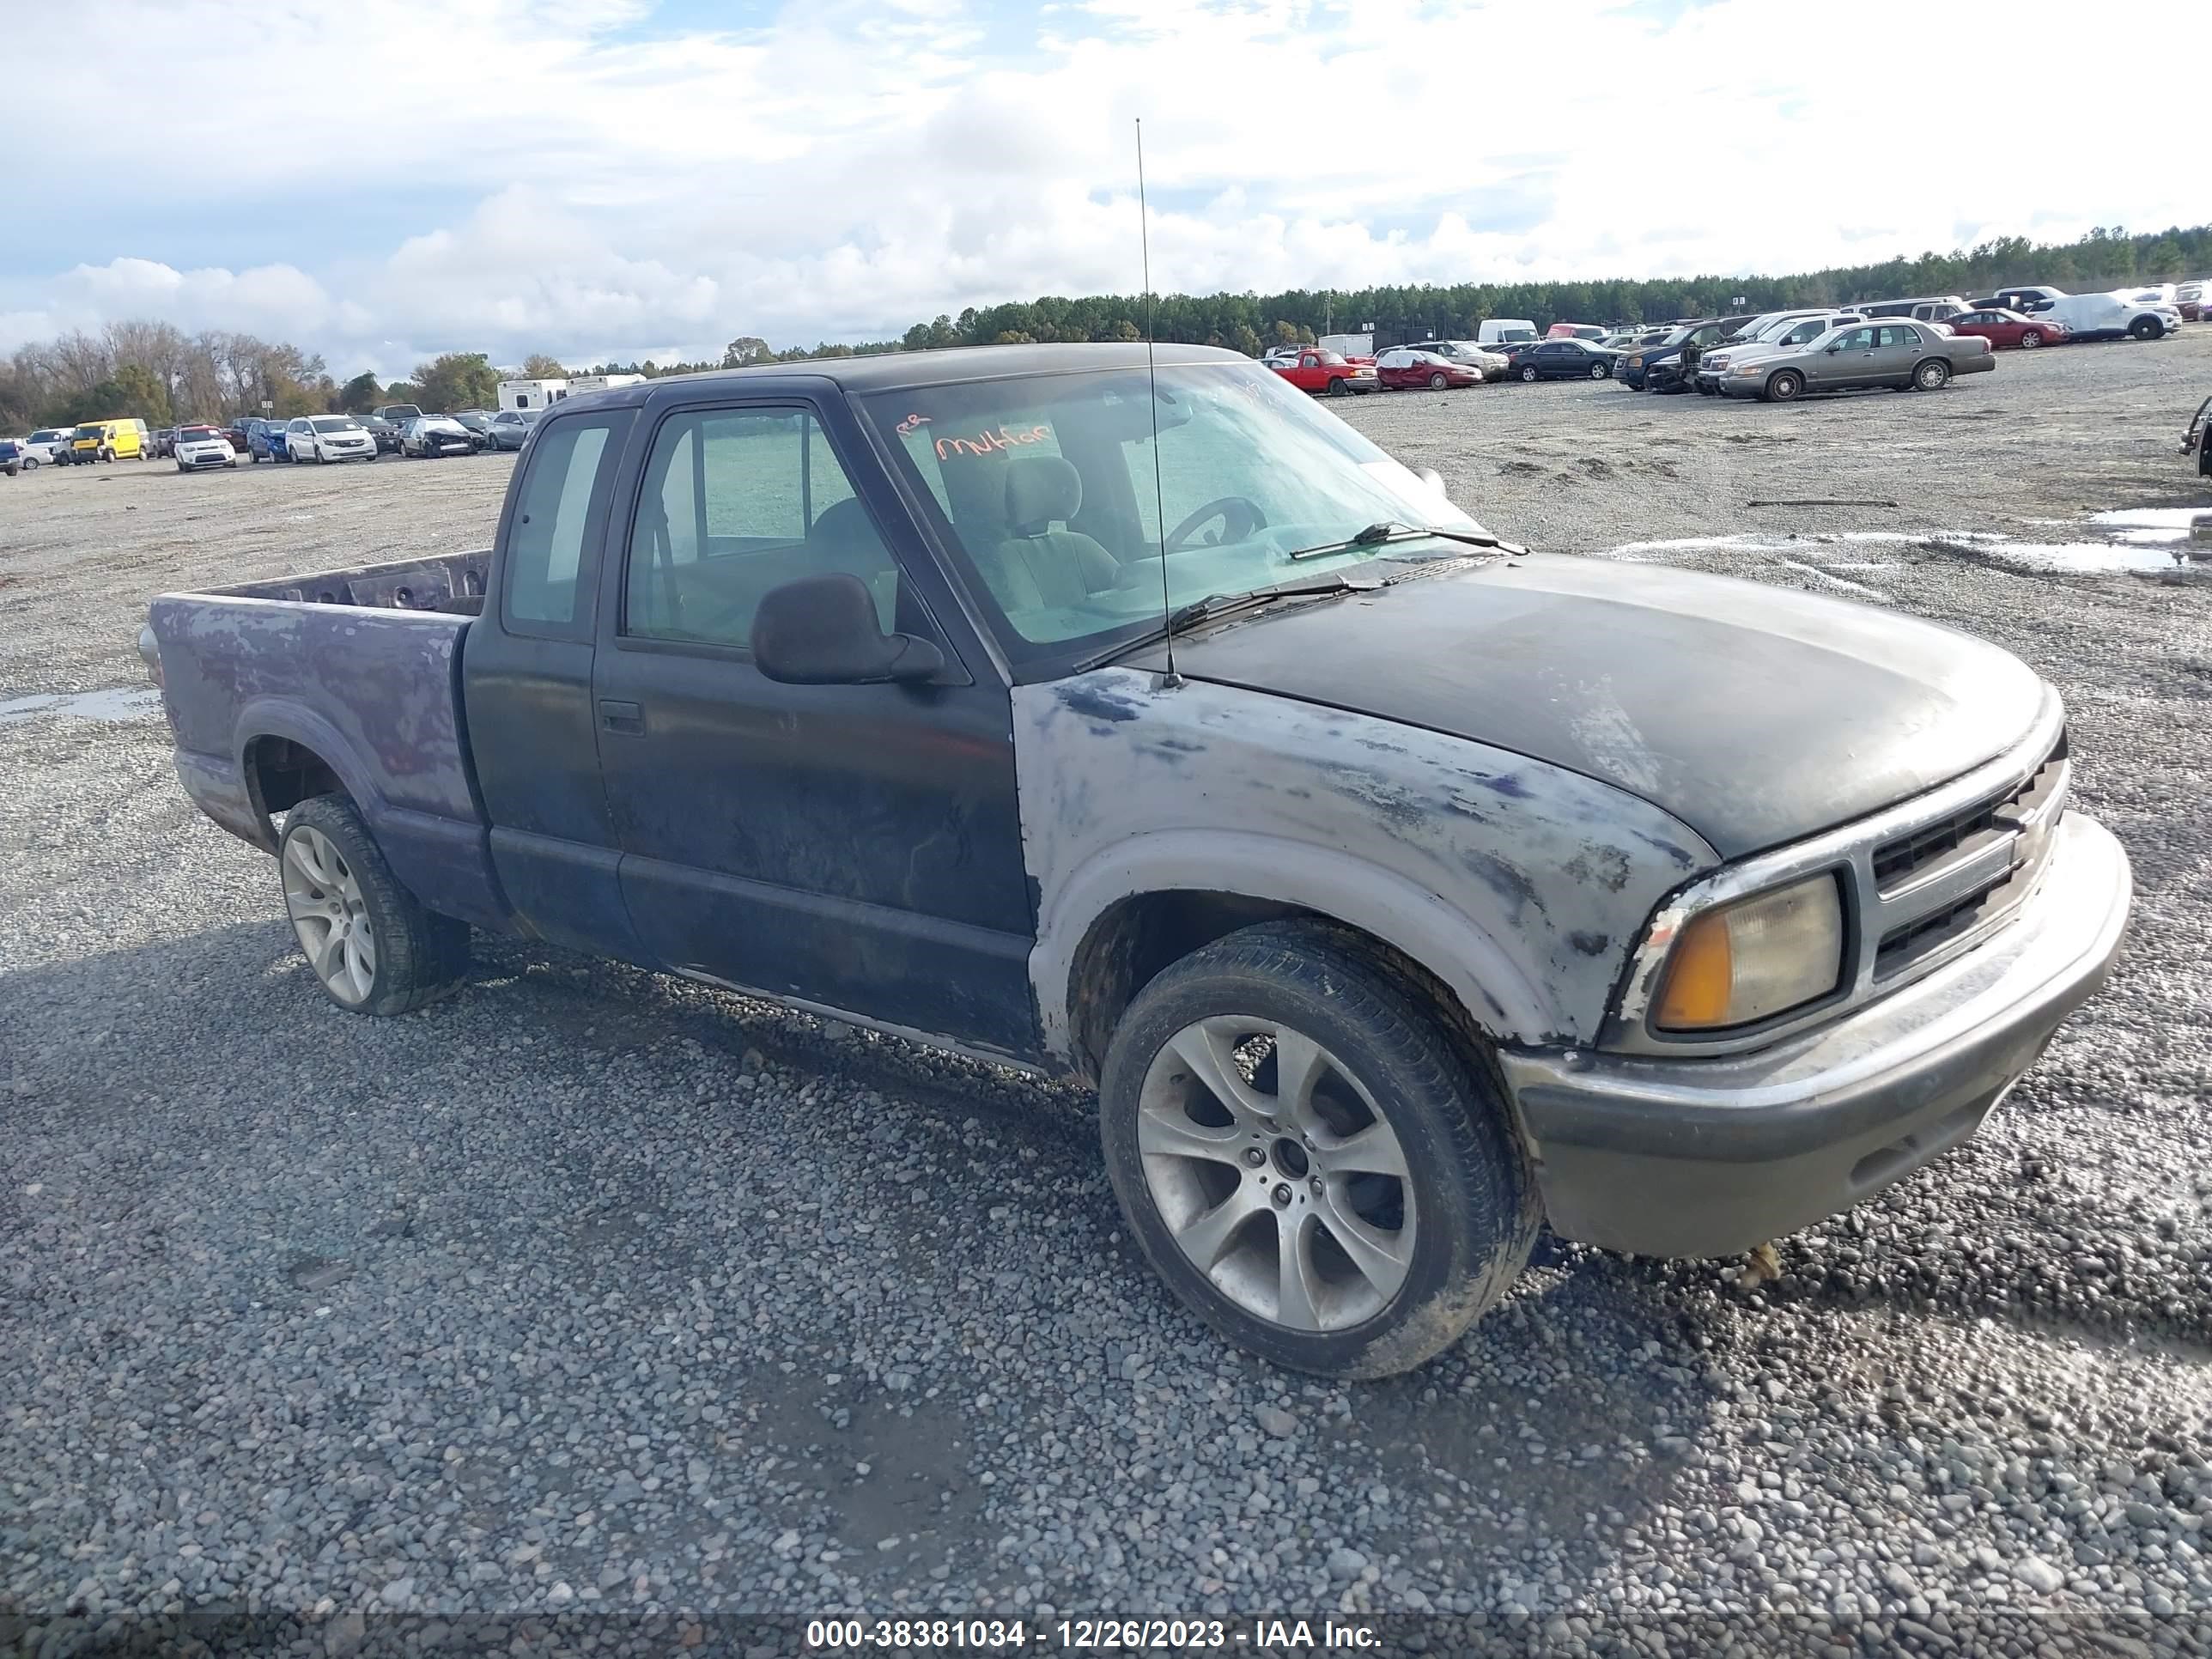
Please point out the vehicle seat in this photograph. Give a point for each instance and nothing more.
(1037, 567)
(844, 538)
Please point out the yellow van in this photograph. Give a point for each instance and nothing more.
(108, 440)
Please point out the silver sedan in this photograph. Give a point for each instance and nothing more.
(1894, 352)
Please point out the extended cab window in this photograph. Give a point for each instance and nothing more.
(545, 542)
(737, 502)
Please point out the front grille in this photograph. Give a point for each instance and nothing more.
(1966, 872)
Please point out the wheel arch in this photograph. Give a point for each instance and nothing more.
(1137, 910)
(287, 754)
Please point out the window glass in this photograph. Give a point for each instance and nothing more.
(1804, 333)
(1859, 339)
(544, 545)
(736, 502)
(1896, 335)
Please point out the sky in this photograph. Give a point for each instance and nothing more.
(617, 179)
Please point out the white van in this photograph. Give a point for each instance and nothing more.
(532, 394)
(1503, 330)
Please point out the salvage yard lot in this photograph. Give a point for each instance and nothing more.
(593, 1290)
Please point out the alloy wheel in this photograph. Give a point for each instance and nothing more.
(1276, 1173)
(330, 915)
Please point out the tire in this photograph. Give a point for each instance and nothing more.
(1437, 381)
(2030, 339)
(1932, 374)
(1783, 386)
(1339, 387)
(232, 462)
(1452, 1177)
(181, 467)
(1601, 371)
(107, 456)
(1529, 372)
(368, 941)
(254, 455)
(2146, 328)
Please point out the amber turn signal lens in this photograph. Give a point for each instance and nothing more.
(1758, 956)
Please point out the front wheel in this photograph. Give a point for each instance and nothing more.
(371, 946)
(1436, 381)
(1781, 387)
(1340, 388)
(2030, 340)
(1933, 375)
(1305, 1158)
(1528, 371)
(2147, 328)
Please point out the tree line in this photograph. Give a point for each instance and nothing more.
(156, 372)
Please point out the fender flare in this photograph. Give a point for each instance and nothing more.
(1498, 993)
(276, 717)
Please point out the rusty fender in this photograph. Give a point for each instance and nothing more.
(1521, 885)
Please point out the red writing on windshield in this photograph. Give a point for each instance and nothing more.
(984, 443)
(910, 422)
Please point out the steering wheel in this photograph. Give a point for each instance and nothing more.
(1239, 517)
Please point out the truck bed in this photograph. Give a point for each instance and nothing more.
(347, 679)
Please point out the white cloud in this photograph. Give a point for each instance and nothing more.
(850, 168)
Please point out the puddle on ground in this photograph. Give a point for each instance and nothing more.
(2095, 558)
(2143, 541)
(2149, 518)
(116, 703)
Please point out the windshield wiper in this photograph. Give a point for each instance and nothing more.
(1393, 529)
(1215, 605)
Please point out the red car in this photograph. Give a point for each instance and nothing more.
(1316, 370)
(2008, 328)
(1404, 368)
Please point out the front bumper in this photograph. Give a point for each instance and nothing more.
(1699, 1157)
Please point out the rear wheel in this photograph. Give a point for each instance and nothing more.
(1783, 386)
(1601, 371)
(2031, 339)
(1933, 375)
(373, 947)
(1303, 1157)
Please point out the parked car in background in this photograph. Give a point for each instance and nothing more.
(1929, 308)
(1778, 331)
(400, 414)
(199, 447)
(46, 445)
(1574, 332)
(265, 439)
(109, 440)
(2009, 329)
(511, 427)
(385, 433)
(1315, 369)
(2197, 439)
(1564, 359)
(159, 442)
(2027, 299)
(11, 456)
(323, 438)
(1898, 353)
(1492, 364)
(478, 423)
(2189, 299)
(430, 436)
(238, 432)
(1636, 365)
(2112, 316)
(1403, 368)
(1503, 330)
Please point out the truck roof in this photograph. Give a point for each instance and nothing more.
(894, 369)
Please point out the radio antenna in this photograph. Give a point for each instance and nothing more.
(1153, 388)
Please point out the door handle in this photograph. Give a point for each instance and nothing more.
(615, 716)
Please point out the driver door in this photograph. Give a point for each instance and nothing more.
(852, 847)
(1846, 362)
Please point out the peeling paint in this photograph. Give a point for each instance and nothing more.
(1513, 881)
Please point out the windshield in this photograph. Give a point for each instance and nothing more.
(90, 432)
(1046, 482)
(334, 424)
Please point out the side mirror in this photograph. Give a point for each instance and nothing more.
(821, 630)
(1834, 348)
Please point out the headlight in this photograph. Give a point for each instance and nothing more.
(1636, 362)
(1745, 369)
(1743, 962)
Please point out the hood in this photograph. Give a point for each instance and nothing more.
(1755, 715)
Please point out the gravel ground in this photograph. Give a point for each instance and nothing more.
(593, 1296)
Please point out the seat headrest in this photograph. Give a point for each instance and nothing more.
(1039, 489)
(843, 521)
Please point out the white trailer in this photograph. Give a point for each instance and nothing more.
(532, 394)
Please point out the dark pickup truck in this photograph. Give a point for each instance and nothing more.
(1415, 890)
